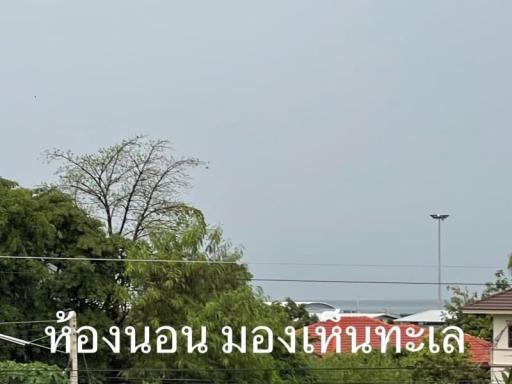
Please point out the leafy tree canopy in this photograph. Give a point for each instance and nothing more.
(297, 314)
(191, 291)
(33, 373)
(47, 223)
(423, 367)
(476, 325)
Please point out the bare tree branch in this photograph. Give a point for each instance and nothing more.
(132, 186)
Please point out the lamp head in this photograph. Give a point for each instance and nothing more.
(437, 216)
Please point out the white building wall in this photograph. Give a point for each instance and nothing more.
(501, 354)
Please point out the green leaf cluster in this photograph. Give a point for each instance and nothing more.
(33, 373)
(189, 290)
(476, 325)
(47, 223)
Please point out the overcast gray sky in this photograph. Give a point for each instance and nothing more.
(333, 128)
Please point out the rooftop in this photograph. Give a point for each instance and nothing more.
(479, 349)
(498, 303)
(430, 316)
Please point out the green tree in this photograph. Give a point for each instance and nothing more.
(507, 376)
(189, 290)
(187, 280)
(476, 325)
(34, 373)
(46, 223)
(297, 314)
(359, 368)
(444, 368)
(241, 308)
(422, 367)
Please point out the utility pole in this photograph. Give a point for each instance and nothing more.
(73, 351)
(439, 218)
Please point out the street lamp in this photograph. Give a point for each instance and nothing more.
(439, 218)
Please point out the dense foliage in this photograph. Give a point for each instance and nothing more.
(477, 325)
(423, 367)
(33, 373)
(46, 223)
(182, 286)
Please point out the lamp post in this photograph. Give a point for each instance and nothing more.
(439, 219)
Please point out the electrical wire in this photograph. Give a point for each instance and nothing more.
(329, 281)
(280, 280)
(87, 369)
(284, 263)
(188, 370)
(28, 322)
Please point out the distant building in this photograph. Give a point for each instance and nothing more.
(433, 317)
(316, 307)
(383, 316)
(499, 306)
(398, 306)
(312, 307)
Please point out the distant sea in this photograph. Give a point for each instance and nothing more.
(399, 307)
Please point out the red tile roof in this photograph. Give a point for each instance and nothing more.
(479, 349)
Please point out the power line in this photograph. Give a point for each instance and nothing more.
(304, 380)
(23, 343)
(87, 369)
(279, 280)
(57, 258)
(283, 263)
(28, 322)
(359, 265)
(327, 281)
(177, 370)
